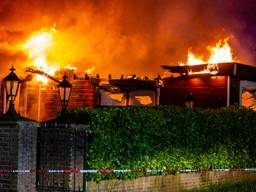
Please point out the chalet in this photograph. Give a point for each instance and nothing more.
(210, 85)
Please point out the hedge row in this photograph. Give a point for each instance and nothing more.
(170, 138)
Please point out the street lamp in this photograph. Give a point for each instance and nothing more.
(64, 92)
(11, 83)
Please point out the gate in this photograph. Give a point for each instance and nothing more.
(61, 152)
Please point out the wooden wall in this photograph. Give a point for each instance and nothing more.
(82, 94)
(41, 102)
(208, 92)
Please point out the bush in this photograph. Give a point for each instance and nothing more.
(166, 137)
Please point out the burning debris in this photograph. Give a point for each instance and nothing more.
(41, 73)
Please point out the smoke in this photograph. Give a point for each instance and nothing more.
(126, 37)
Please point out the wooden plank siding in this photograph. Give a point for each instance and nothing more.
(82, 94)
(43, 103)
(208, 92)
(39, 102)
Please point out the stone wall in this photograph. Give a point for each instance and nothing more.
(170, 183)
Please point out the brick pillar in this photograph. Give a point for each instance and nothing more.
(18, 139)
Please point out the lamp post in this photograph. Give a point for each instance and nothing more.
(64, 92)
(11, 83)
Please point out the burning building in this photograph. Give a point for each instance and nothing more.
(40, 101)
(78, 36)
(228, 85)
(217, 82)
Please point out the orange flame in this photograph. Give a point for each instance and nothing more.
(69, 67)
(90, 70)
(220, 53)
(36, 47)
(193, 60)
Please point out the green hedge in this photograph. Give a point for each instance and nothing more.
(170, 138)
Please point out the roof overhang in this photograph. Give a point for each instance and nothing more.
(241, 71)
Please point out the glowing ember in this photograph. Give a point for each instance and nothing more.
(221, 53)
(37, 46)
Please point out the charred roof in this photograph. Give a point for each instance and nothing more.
(241, 71)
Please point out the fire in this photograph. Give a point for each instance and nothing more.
(36, 47)
(69, 67)
(90, 70)
(210, 69)
(220, 53)
(193, 60)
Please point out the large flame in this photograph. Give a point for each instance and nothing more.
(37, 46)
(220, 53)
(193, 60)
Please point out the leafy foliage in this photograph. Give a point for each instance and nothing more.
(169, 138)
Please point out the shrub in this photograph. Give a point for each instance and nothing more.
(167, 137)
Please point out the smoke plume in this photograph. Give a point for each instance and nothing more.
(126, 37)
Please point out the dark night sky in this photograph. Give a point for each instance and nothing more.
(129, 36)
